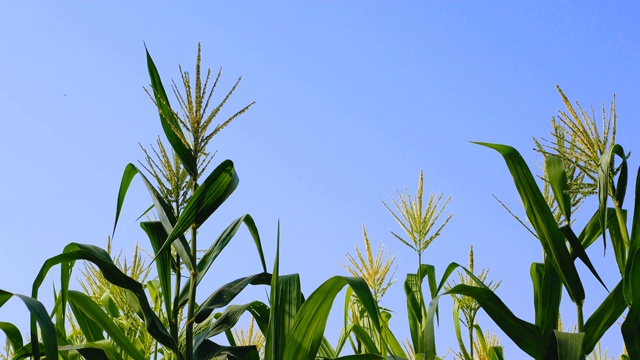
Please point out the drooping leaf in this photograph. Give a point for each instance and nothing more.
(95, 350)
(12, 333)
(225, 294)
(631, 325)
(41, 318)
(577, 248)
(165, 213)
(210, 350)
(542, 220)
(308, 329)
(226, 321)
(365, 339)
(111, 273)
(216, 248)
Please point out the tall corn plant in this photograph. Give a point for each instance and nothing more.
(419, 221)
(173, 239)
(562, 246)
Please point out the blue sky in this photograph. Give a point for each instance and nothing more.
(353, 98)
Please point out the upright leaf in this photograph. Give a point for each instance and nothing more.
(557, 174)
(169, 121)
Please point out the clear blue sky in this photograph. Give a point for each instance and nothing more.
(353, 98)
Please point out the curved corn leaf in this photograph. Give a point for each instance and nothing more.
(92, 330)
(365, 339)
(95, 350)
(619, 238)
(389, 338)
(525, 335)
(225, 294)
(157, 236)
(605, 181)
(84, 307)
(604, 317)
(169, 121)
(216, 188)
(211, 350)
(557, 175)
(216, 248)
(593, 230)
(274, 346)
(226, 321)
(578, 250)
(39, 316)
(12, 334)
(634, 241)
(165, 213)
(542, 220)
(111, 273)
(307, 331)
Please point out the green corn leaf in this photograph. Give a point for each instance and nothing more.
(525, 335)
(390, 339)
(169, 121)
(605, 174)
(307, 331)
(85, 307)
(167, 218)
(542, 220)
(91, 329)
(12, 333)
(225, 294)
(157, 235)
(604, 317)
(578, 250)
(365, 339)
(210, 350)
(569, 345)
(592, 231)
(226, 321)
(413, 292)
(275, 343)
(40, 316)
(617, 238)
(366, 357)
(631, 325)
(558, 181)
(95, 350)
(216, 188)
(111, 273)
(496, 353)
(634, 241)
(216, 248)
(547, 294)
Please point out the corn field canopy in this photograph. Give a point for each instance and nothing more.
(178, 150)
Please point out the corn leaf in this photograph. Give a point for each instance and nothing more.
(40, 316)
(216, 248)
(605, 174)
(215, 189)
(547, 294)
(631, 325)
(165, 213)
(111, 273)
(12, 334)
(157, 236)
(307, 331)
(210, 350)
(95, 350)
(569, 345)
(558, 181)
(604, 317)
(634, 241)
(542, 220)
(225, 294)
(170, 124)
